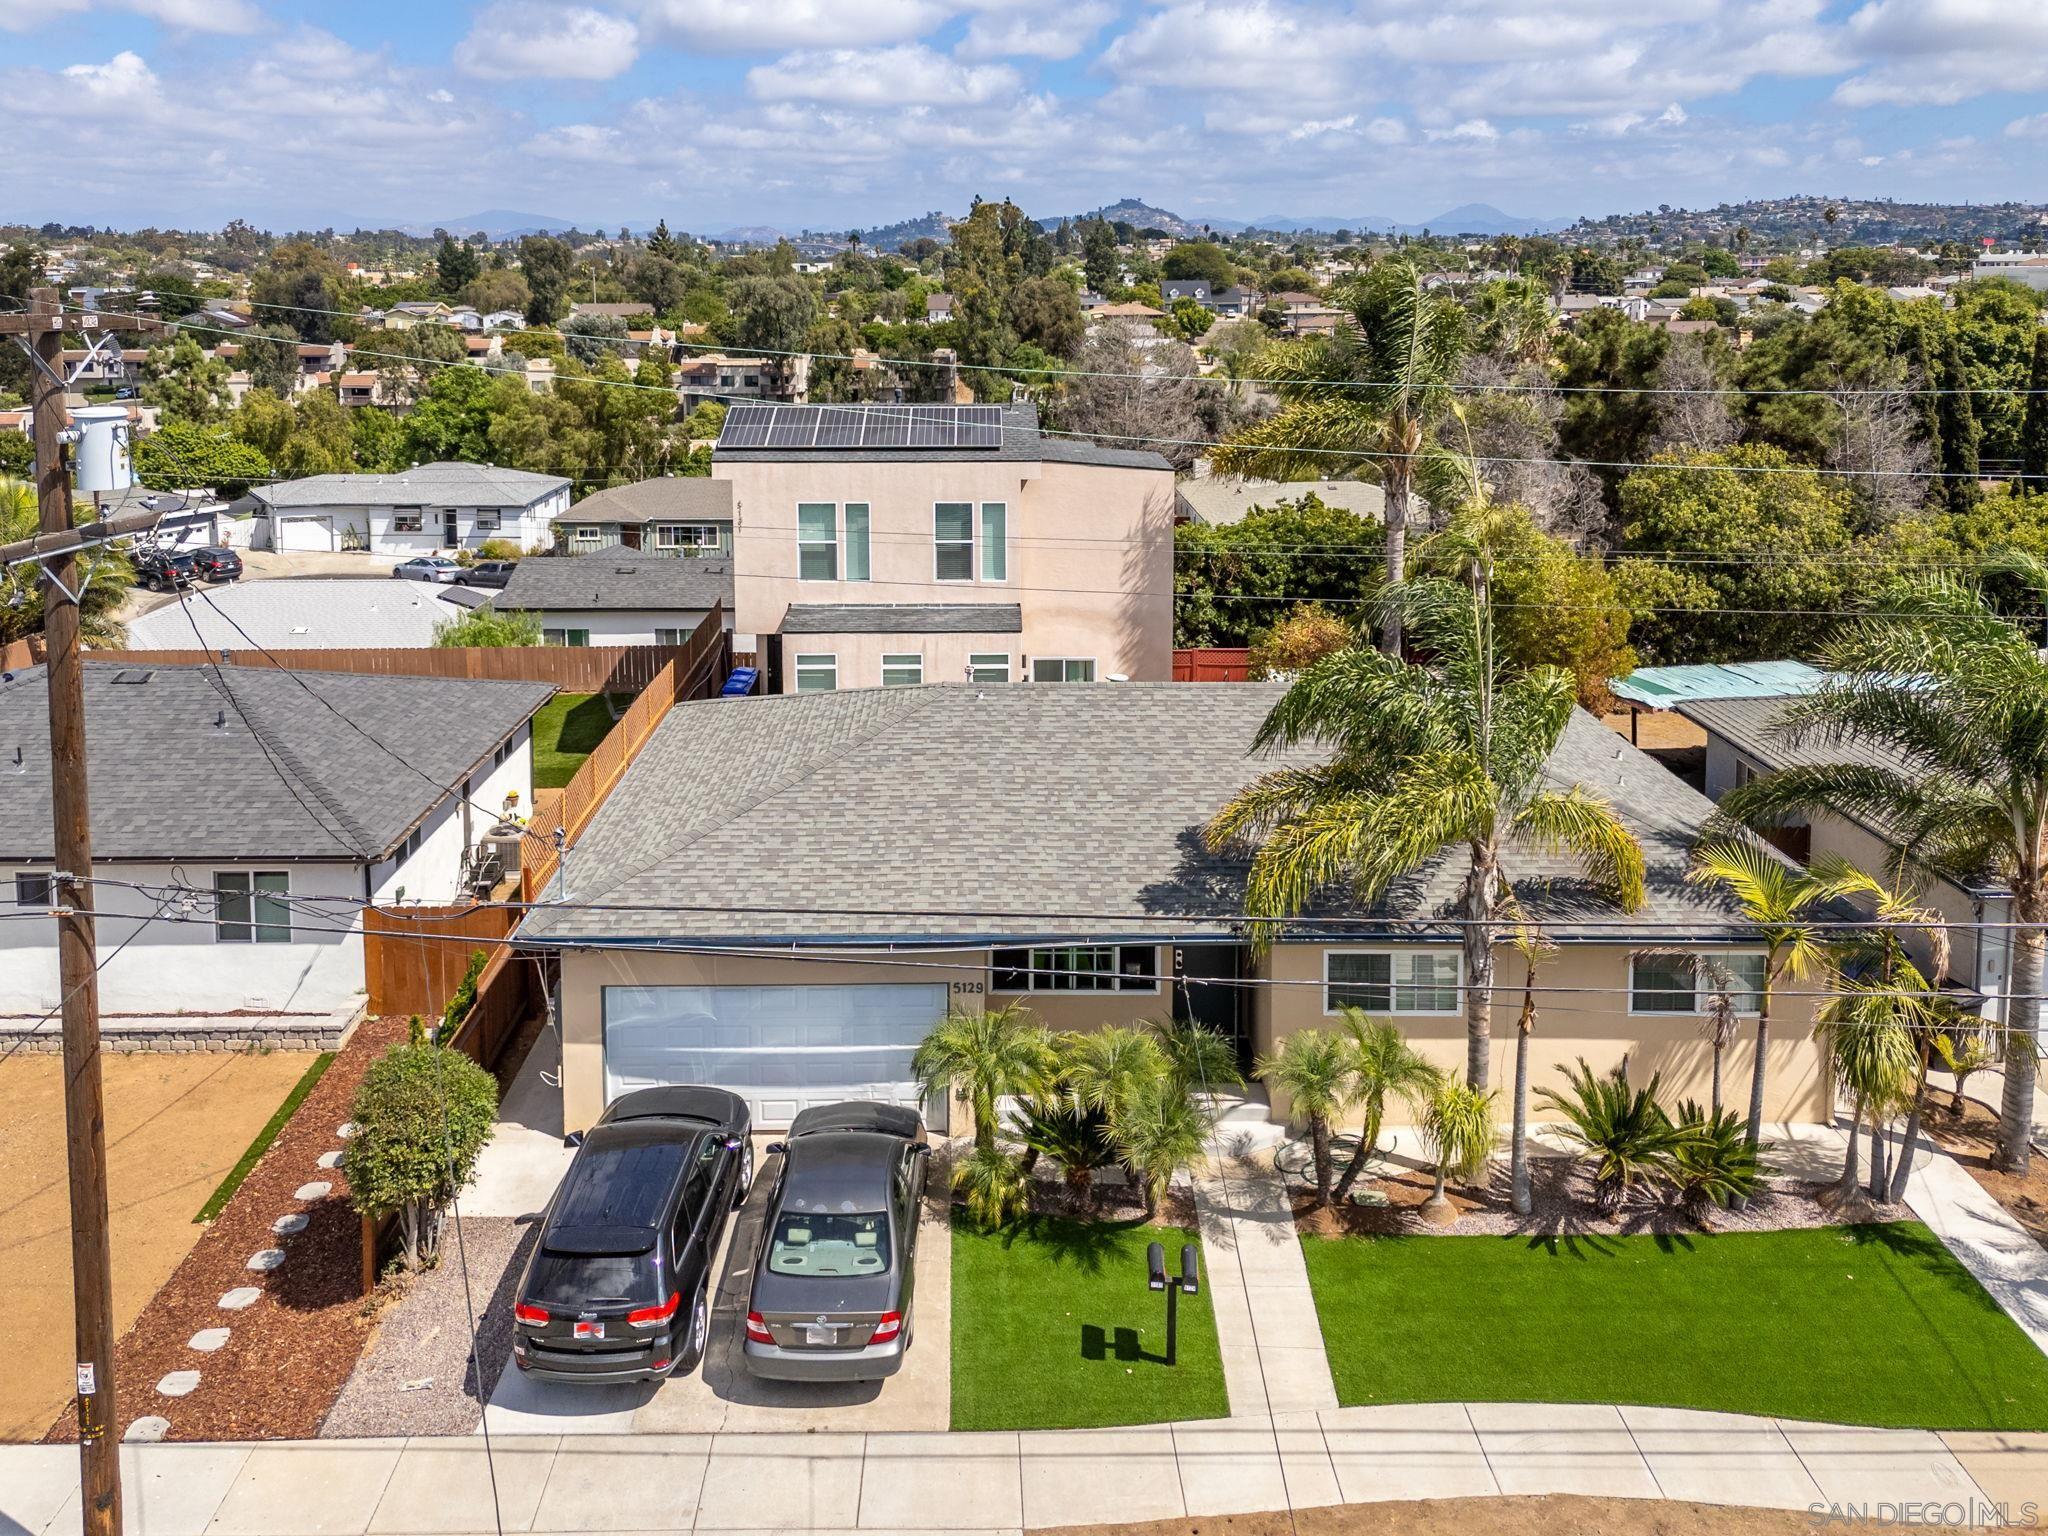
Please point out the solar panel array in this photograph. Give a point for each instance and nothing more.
(855, 426)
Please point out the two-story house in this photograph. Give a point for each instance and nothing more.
(892, 545)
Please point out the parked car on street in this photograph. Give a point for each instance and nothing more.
(834, 1278)
(427, 568)
(487, 573)
(618, 1288)
(165, 570)
(216, 563)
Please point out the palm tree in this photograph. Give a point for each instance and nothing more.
(1202, 1059)
(108, 574)
(1778, 900)
(1385, 1065)
(1318, 1071)
(1533, 946)
(1871, 1054)
(1424, 758)
(1361, 402)
(1159, 1131)
(1457, 1130)
(984, 1057)
(1622, 1131)
(1957, 697)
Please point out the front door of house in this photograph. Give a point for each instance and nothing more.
(1205, 992)
(451, 530)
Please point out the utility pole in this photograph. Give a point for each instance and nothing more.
(41, 330)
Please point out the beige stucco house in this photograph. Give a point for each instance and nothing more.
(784, 893)
(897, 545)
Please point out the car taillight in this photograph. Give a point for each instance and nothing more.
(887, 1329)
(538, 1316)
(654, 1317)
(757, 1330)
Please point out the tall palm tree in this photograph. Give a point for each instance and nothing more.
(984, 1057)
(1533, 947)
(1386, 1066)
(1779, 901)
(1956, 697)
(1871, 1054)
(1424, 758)
(1318, 1071)
(1360, 403)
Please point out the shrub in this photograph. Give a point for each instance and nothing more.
(1715, 1164)
(1622, 1131)
(485, 625)
(497, 549)
(1457, 1128)
(422, 1116)
(1075, 1138)
(465, 996)
(993, 1184)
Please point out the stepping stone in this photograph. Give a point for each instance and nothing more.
(178, 1384)
(267, 1260)
(148, 1429)
(207, 1340)
(314, 1191)
(240, 1297)
(346, 1129)
(285, 1226)
(330, 1159)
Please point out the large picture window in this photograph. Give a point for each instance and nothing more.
(1681, 984)
(1063, 669)
(953, 540)
(1391, 981)
(988, 667)
(817, 541)
(251, 908)
(1077, 968)
(816, 673)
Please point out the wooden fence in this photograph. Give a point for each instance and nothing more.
(410, 964)
(574, 669)
(17, 654)
(1223, 665)
(697, 673)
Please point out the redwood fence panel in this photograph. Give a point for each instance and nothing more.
(577, 669)
(409, 963)
(19, 654)
(1227, 664)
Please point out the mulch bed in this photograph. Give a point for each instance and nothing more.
(1562, 1204)
(287, 1355)
(1971, 1140)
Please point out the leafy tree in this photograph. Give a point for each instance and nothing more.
(321, 440)
(271, 354)
(495, 289)
(1138, 398)
(1995, 323)
(185, 384)
(182, 455)
(17, 455)
(408, 360)
(2034, 430)
(546, 263)
(772, 314)
(1391, 369)
(485, 625)
(301, 286)
(1317, 1070)
(456, 265)
(1200, 261)
(1960, 434)
(1303, 637)
(422, 1117)
(1046, 312)
(983, 268)
(452, 419)
(1233, 581)
(705, 422)
(21, 269)
(108, 574)
(1187, 320)
(659, 282)
(1608, 362)
(1099, 259)
(591, 338)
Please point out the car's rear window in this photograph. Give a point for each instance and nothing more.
(808, 1243)
(575, 1280)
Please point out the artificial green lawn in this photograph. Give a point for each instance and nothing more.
(1055, 1328)
(565, 732)
(1860, 1325)
(217, 1201)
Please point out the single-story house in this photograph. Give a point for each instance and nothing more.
(300, 613)
(783, 894)
(425, 510)
(1214, 499)
(263, 791)
(619, 596)
(938, 307)
(672, 515)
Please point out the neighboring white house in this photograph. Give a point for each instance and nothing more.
(254, 790)
(419, 511)
(299, 613)
(619, 596)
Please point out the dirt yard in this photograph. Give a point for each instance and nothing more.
(1550, 1515)
(175, 1126)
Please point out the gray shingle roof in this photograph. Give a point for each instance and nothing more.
(671, 498)
(903, 619)
(615, 579)
(469, 485)
(167, 783)
(1038, 802)
(1022, 443)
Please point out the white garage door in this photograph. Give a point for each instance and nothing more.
(304, 533)
(782, 1049)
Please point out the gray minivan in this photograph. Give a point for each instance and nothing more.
(836, 1272)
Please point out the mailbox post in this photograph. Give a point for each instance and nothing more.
(1156, 1279)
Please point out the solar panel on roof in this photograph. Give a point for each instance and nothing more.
(746, 426)
(886, 429)
(932, 426)
(792, 426)
(981, 426)
(839, 427)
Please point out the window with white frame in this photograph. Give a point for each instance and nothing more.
(1745, 773)
(585, 533)
(1063, 669)
(34, 888)
(904, 670)
(251, 907)
(817, 541)
(857, 541)
(988, 667)
(688, 536)
(816, 673)
(408, 520)
(570, 637)
(1391, 980)
(671, 636)
(953, 541)
(1077, 968)
(995, 541)
(1662, 984)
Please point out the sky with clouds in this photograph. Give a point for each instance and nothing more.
(824, 113)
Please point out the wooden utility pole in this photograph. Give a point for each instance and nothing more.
(42, 328)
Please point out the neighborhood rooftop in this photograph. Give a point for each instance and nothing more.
(885, 433)
(903, 619)
(1671, 687)
(616, 579)
(441, 484)
(192, 762)
(671, 498)
(301, 613)
(1084, 806)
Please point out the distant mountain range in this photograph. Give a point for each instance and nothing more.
(1465, 219)
(496, 224)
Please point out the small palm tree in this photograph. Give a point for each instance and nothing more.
(984, 1057)
(1961, 1049)
(1077, 1139)
(1386, 1066)
(1196, 1054)
(1318, 1071)
(1160, 1130)
(1533, 946)
(1715, 1165)
(993, 1185)
(1457, 1130)
(1623, 1132)
(1103, 1068)
(1871, 1054)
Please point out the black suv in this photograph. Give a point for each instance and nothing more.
(487, 573)
(165, 570)
(216, 563)
(618, 1289)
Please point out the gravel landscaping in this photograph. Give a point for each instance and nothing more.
(416, 1376)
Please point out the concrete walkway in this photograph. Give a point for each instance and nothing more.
(1016, 1482)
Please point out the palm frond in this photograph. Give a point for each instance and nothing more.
(1583, 824)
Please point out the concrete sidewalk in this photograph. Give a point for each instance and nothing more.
(1017, 1482)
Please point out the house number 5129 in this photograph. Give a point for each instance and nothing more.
(968, 988)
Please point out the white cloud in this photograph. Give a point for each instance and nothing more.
(24, 15)
(1941, 52)
(232, 17)
(1261, 50)
(123, 80)
(909, 74)
(755, 26)
(1059, 32)
(529, 39)
(1386, 130)
(2035, 127)
(1313, 129)
(1472, 130)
